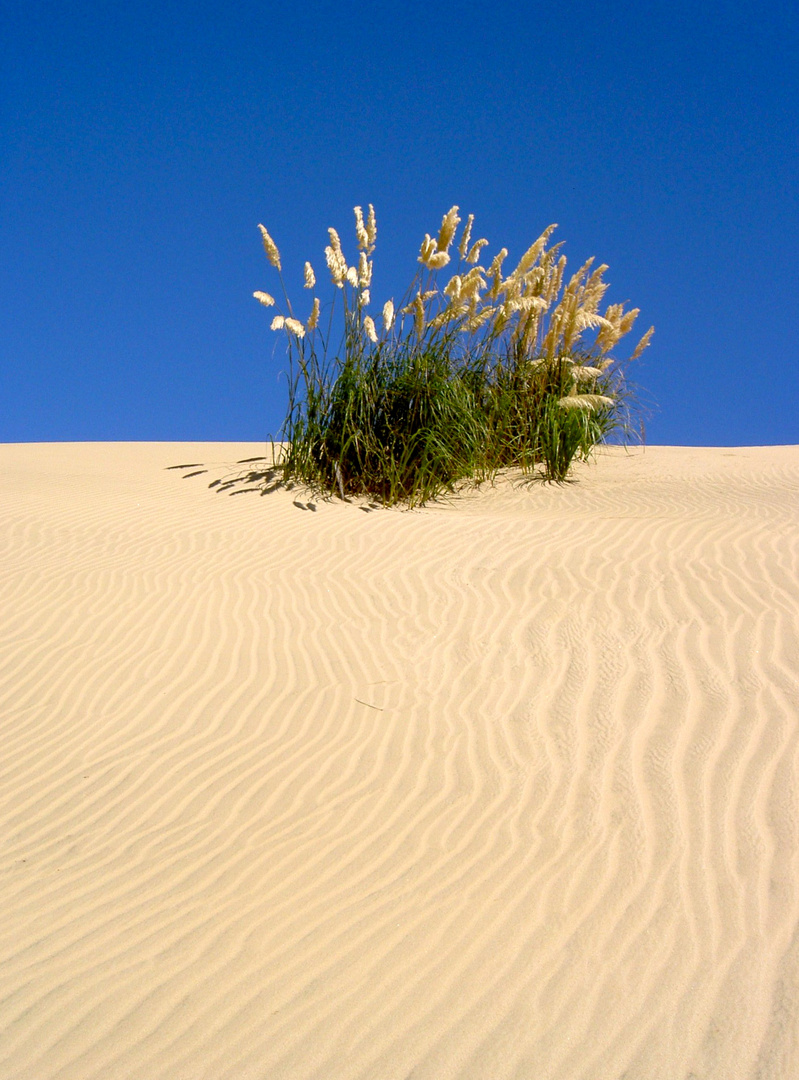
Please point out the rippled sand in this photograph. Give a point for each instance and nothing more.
(504, 788)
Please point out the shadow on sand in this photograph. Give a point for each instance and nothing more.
(258, 475)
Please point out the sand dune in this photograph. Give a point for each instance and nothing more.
(502, 788)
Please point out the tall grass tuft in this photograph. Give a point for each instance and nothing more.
(484, 371)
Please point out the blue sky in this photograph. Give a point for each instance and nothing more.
(142, 143)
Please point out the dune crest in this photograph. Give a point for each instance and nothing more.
(506, 787)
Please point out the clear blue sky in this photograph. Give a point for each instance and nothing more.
(141, 144)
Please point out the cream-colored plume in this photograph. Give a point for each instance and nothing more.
(463, 247)
(475, 249)
(336, 262)
(438, 260)
(446, 233)
(643, 343)
(427, 250)
(418, 315)
(296, 327)
(588, 402)
(364, 271)
(361, 234)
(270, 247)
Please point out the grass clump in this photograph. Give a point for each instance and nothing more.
(483, 372)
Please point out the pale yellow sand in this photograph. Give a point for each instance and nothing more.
(502, 789)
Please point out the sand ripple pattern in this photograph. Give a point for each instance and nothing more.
(506, 788)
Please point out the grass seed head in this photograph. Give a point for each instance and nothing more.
(264, 298)
(310, 276)
(369, 328)
(452, 290)
(295, 327)
(587, 402)
(371, 229)
(438, 260)
(388, 315)
(477, 321)
(643, 343)
(418, 315)
(278, 323)
(337, 265)
(313, 318)
(534, 252)
(427, 250)
(585, 374)
(475, 249)
(463, 247)
(449, 224)
(270, 247)
(495, 272)
(364, 271)
(361, 235)
(473, 283)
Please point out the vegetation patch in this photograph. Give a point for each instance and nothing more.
(485, 371)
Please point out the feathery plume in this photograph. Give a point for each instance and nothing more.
(589, 320)
(475, 249)
(588, 402)
(388, 315)
(463, 247)
(442, 319)
(369, 328)
(438, 260)
(479, 320)
(495, 271)
(352, 277)
(335, 244)
(534, 252)
(472, 283)
(526, 304)
(310, 276)
(365, 298)
(418, 315)
(585, 374)
(452, 289)
(364, 271)
(427, 249)
(264, 298)
(296, 327)
(336, 264)
(313, 318)
(278, 323)
(424, 297)
(371, 229)
(449, 223)
(270, 247)
(361, 234)
(643, 343)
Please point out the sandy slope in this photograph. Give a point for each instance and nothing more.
(505, 788)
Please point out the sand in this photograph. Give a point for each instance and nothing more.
(502, 788)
